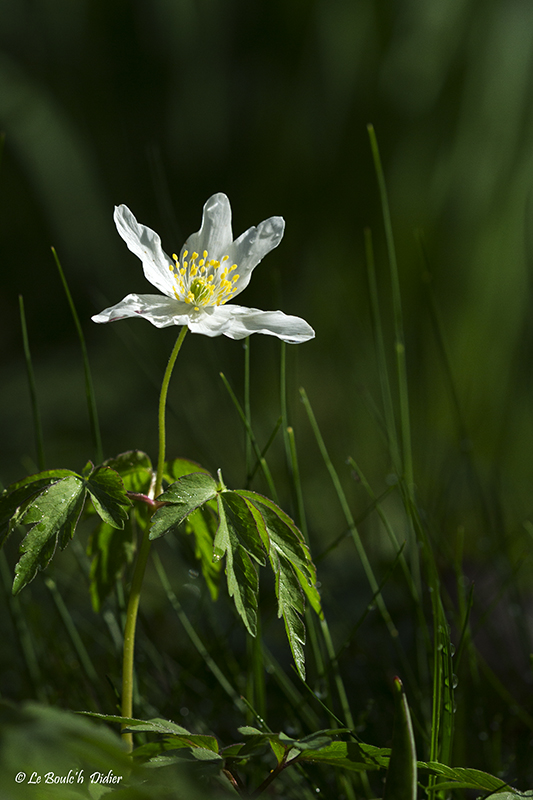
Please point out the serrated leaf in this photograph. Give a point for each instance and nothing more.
(53, 515)
(311, 592)
(14, 498)
(155, 725)
(135, 469)
(183, 497)
(282, 531)
(108, 496)
(313, 741)
(291, 607)
(174, 742)
(278, 749)
(204, 754)
(349, 755)
(179, 467)
(248, 730)
(243, 583)
(203, 525)
(111, 550)
(462, 777)
(244, 524)
(293, 568)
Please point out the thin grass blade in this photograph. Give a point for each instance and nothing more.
(37, 427)
(89, 388)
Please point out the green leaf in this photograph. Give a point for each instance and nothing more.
(282, 532)
(53, 515)
(278, 749)
(243, 583)
(248, 730)
(13, 499)
(179, 467)
(311, 592)
(462, 777)
(135, 469)
(175, 742)
(108, 495)
(155, 725)
(183, 497)
(401, 782)
(202, 524)
(244, 524)
(111, 549)
(349, 755)
(314, 741)
(291, 607)
(293, 568)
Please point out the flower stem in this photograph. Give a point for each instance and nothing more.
(162, 408)
(142, 558)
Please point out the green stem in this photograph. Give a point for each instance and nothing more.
(142, 558)
(162, 408)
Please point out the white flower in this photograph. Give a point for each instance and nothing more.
(211, 270)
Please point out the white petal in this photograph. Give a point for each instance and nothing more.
(215, 234)
(252, 246)
(237, 322)
(160, 311)
(146, 244)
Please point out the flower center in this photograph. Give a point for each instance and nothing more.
(203, 281)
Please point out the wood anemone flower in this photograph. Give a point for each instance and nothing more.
(210, 271)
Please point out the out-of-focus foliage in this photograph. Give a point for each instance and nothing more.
(158, 105)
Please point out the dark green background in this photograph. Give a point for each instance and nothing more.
(158, 105)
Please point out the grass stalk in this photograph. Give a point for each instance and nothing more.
(24, 636)
(37, 427)
(405, 424)
(367, 567)
(89, 388)
(386, 394)
(264, 466)
(70, 627)
(193, 636)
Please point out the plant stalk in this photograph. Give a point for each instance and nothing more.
(144, 550)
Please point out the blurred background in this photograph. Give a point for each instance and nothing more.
(160, 104)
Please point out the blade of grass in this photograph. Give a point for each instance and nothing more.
(349, 517)
(297, 701)
(255, 676)
(405, 424)
(89, 389)
(376, 503)
(38, 431)
(313, 624)
(259, 456)
(24, 635)
(75, 638)
(390, 423)
(442, 348)
(265, 450)
(239, 702)
(295, 470)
